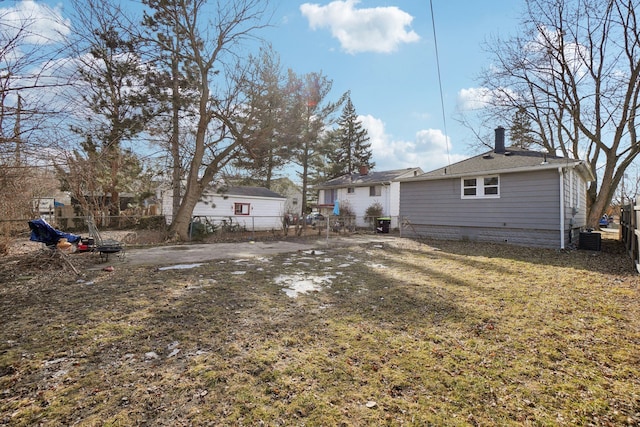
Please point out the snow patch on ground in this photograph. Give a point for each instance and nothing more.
(180, 267)
(296, 284)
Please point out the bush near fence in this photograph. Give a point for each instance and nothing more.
(122, 222)
(206, 226)
(229, 228)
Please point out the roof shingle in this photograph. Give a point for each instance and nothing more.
(512, 160)
(371, 178)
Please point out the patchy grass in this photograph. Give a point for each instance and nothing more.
(398, 333)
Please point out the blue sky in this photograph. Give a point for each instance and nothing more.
(384, 53)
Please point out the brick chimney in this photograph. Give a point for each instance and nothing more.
(364, 169)
(499, 147)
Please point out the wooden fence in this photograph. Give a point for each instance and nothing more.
(629, 230)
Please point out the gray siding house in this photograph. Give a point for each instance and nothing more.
(509, 195)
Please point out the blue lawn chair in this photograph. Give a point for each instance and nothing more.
(43, 232)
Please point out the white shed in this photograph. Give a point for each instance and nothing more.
(255, 208)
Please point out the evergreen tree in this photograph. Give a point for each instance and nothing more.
(352, 142)
(111, 84)
(309, 114)
(266, 152)
(521, 130)
(171, 83)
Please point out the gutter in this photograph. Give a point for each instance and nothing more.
(561, 173)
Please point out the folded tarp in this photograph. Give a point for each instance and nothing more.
(43, 232)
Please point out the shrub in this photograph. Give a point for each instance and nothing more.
(156, 222)
(345, 209)
(374, 211)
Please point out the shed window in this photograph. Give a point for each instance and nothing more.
(242, 208)
(375, 191)
(481, 187)
(351, 190)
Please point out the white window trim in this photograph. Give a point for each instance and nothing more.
(479, 188)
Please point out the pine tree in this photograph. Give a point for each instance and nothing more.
(266, 152)
(352, 142)
(521, 131)
(112, 84)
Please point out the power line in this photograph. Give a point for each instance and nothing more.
(444, 118)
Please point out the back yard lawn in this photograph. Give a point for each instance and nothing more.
(393, 333)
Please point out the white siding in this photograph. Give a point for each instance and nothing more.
(360, 201)
(265, 213)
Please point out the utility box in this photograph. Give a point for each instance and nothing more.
(590, 241)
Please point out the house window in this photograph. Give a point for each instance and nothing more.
(241, 208)
(375, 191)
(351, 190)
(329, 196)
(482, 186)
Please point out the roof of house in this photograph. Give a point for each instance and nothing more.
(248, 192)
(370, 178)
(513, 159)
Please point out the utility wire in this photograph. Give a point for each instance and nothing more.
(444, 118)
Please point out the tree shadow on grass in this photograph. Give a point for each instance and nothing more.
(611, 259)
(220, 341)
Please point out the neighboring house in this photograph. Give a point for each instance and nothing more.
(255, 208)
(292, 192)
(363, 189)
(506, 195)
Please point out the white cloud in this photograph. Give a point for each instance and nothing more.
(378, 29)
(476, 98)
(41, 24)
(473, 98)
(430, 149)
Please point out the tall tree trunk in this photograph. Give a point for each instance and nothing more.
(195, 186)
(176, 173)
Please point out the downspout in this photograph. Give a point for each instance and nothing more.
(387, 197)
(562, 238)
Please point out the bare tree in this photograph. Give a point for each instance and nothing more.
(171, 83)
(31, 45)
(210, 44)
(573, 73)
(31, 54)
